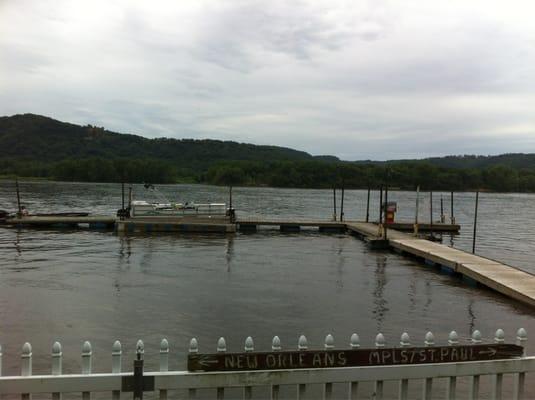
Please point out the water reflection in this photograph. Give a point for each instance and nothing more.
(17, 243)
(471, 317)
(380, 303)
(229, 252)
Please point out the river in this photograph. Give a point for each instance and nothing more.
(76, 285)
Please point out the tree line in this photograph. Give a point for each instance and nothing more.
(297, 174)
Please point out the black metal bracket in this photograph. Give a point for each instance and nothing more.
(137, 383)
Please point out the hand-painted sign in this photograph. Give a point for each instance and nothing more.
(350, 358)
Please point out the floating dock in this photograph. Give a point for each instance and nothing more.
(246, 225)
(92, 221)
(185, 224)
(510, 281)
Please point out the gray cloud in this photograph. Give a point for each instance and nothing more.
(366, 79)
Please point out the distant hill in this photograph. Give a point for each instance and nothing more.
(513, 160)
(37, 146)
(40, 138)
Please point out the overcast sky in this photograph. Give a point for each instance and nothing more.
(356, 79)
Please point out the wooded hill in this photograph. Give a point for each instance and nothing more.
(38, 146)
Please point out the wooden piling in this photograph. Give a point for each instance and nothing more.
(442, 218)
(368, 206)
(130, 196)
(122, 195)
(431, 211)
(18, 196)
(475, 224)
(380, 205)
(385, 211)
(342, 205)
(417, 209)
(451, 209)
(334, 203)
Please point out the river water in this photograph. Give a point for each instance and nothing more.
(76, 285)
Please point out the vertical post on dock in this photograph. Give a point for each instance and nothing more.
(475, 224)
(230, 196)
(385, 211)
(380, 211)
(18, 196)
(431, 211)
(380, 205)
(416, 211)
(442, 218)
(334, 203)
(451, 208)
(130, 196)
(122, 194)
(368, 206)
(342, 204)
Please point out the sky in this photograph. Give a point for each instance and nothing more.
(356, 79)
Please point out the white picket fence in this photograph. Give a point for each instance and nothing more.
(347, 378)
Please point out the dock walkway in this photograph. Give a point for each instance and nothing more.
(97, 221)
(510, 281)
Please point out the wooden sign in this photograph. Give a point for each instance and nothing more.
(350, 358)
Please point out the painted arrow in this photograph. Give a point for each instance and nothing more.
(491, 352)
(207, 361)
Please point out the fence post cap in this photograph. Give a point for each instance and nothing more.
(56, 349)
(116, 348)
(329, 341)
(193, 346)
(521, 335)
(86, 348)
(140, 347)
(221, 345)
(249, 344)
(302, 343)
(429, 339)
(354, 342)
(380, 340)
(453, 338)
(499, 337)
(164, 346)
(476, 336)
(276, 343)
(26, 350)
(405, 340)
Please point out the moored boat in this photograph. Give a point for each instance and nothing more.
(140, 209)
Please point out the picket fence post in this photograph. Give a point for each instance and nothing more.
(221, 348)
(328, 387)
(275, 346)
(86, 365)
(164, 363)
(380, 342)
(193, 349)
(57, 361)
(354, 343)
(26, 369)
(453, 340)
(429, 341)
(116, 365)
(302, 345)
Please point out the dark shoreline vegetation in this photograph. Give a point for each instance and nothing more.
(41, 147)
(284, 174)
